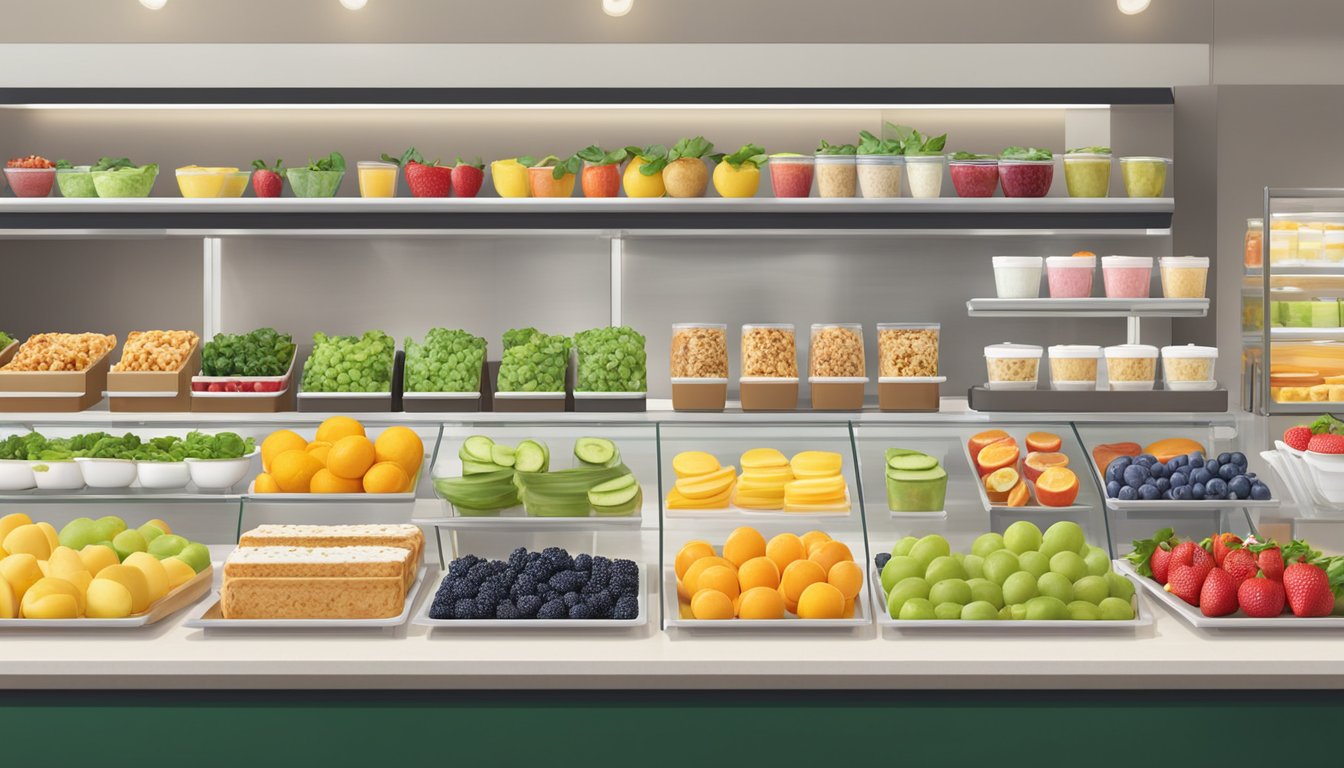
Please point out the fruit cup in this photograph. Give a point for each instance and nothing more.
(974, 178)
(1126, 277)
(542, 183)
(1144, 176)
(1189, 367)
(1013, 366)
(1074, 366)
(31, 182)
(1017, 277)
(880, 175)
(377, 179)
(1070, 277)
(791, 175)
(199, 181)
(1087, 174)
(601, 180)
(1131, 367)
(1026, 178)
(510, 178)
(837, 176)
(126, 182)
(924, 174)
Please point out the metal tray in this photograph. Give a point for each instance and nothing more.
(1061, 401)
(171, 603)
(209, 616)
(422, 617)
(1238, 620)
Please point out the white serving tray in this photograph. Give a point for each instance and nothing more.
(208, 615)
(1142, 617)
(1238, 620)
(1004, 508)
(610, 395)
(517, 517)
(422, 617)
(861, 619)
(765, 514)
(186, 594)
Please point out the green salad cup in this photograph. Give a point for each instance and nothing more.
(125, 182)
(75, 182)
(309, 183)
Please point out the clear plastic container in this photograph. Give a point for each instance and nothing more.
(1087, 174)
(1189, 367)
(377, 179)
(202, 181)
(791, 175)
(1127, 277)
(879, 175)
(1310, 242)
(907, 350)
(235, 184)
(1131, 366)
(76, 181)
(1283, 242)
(1144, 176)
(1013, 366)
(1332, 244)
(1184, 277)
(699, 351)
(1018, 277)
(837, 176)
(31, 182)
(1255, 242)
(974, 178)
(1074, 366)
(1070, 277)
(1325, 313)
(924, 174)
(769, 351)
(1026, 178)
(836, 351)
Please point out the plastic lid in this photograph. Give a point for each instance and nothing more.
(1072, 262)
(880, 159)
(1076, 351)
(1190, 350)
(1126, 262)
(1127, 351)
(786, 159)
(1185, 262)
(1255, 223)
(1142, 159)
(1009, 350)
(975, 161)
(722, 326)
(1018, 261)
(925, 158)
(1086, 156)
(381, 164)
(908, 326)
(849, 159)
(781, 326)
(1018, 161)
(820, 326)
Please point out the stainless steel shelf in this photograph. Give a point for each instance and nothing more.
(1099, 307)
(1305, 334)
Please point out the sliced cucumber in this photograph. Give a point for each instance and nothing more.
(502, 455)
(612, 498)
(531, 456)
(470, 467)
(624, 481)
(478, 448)
(917, 475)
(891, 452)
(913, 462)
(620, 510)
(597, 451)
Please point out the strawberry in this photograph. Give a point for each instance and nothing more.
(1326, 443)
(1261, 598)
(429, 179)
(267, 181)
(468, 177)
(1222, 544)
(1151, 556)
(1240, 564)
(1218, 595)
(1161, 564)
(1190, 553)
(1270, 559)
(1308, 590)
(1297, 438)
(1186, 581)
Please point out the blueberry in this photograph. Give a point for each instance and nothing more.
(1228, 471)
(1127, 493)
(1159, 470)
(1178, 479)
(1116, 469)
(1178, 461)
(1147, 458)
(881, 560)
(1260, 492)
(1195, 459)
(1113, 488)
(1200, 476)
(1224, 457)
(1182, 493)
(1122, 461)
(1149, 493)
(1212, 466)
(1240, 487)
(1216, 489)
(1239, 459)
(1166, 495)
(1197, 491)
(1135, 474)
(1163, 485)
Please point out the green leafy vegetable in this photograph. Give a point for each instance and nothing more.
(655, 158)
(478, 163)
(611, 360)
(569, 165)
(827, 148)
(333, 162)
(598, 156)
(694, 149)
(112, 163)
(535, 365)
(225, 445)
(1144, 548)
(263, 352)
(5, 339)
(915, 143)
(350, 363)
(750, 154)
(1089, 151)
(1327, 424)
(129, 447)
(515, 336)
(1026, 153)
(448, 361)
(872, 145)
(63, 164)
(964, 156)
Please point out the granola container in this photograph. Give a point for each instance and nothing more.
(908, 379)
(837, 176)
(1073, 367)
(1189, 367)
(769, 379)
(699, 366)
(1013, 366)
(1131, 367)
(1184, 277)
(837, 371)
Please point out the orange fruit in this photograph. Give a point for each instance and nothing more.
(1003, 453)
(1057, 487)
(1036, 463)
(351, 457)
(319, 449)
(1043, 442)
(1020, 496)
(336, 427)
(689, 584)
(784, 549)
(720, 578)
(692, 551)
(760, 603)
(799, 576)
(325, 481)
(293, 470)
(1170, 448)
(401, 446)
(830, 553)
(277, 443)
(386, 478)
(265, 484)
(846, 576)
(848, 611)
(813, 538)
(1105, 453)
(821, 601)
(711, 604)
(978, 442)
(757, 572)
(1085, 254)
(743, 544)
(1001, 480)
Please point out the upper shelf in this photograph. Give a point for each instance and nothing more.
(346, 214)
(1093, 307)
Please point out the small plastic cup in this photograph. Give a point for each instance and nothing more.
(1184, 277)
(1073, 367)
(837, 176)
(1189, 367)
(1144, 176)
(31, 182)
(76, 181)
(1127, 277)
(1087, 174)
(791, 175)
(1018, 277)
(1013, 366)
(1026, 178)
(879, 175)
(974, 178)
(377, 179)
(1070, 277)
(1131, 367)
(924, 174)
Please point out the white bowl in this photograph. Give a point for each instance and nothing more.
(57, 475)
(16, 475)
(1327, 471)
(162, 475)
(107, 473)
(219, 474)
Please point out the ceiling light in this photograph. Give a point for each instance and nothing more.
(617, 7)
(354, 5)
(1131, 7)
(153, 5)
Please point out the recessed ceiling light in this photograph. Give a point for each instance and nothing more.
(1131, 7)
(153, 5)
(354, 5)
(617, 7)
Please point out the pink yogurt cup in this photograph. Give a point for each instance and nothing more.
(1070, 277)
(1127, 277)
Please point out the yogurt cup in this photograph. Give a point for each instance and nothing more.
(1184, 277)
(1131, 366)
(1073, 367)
(1144, 176)
(377, 179)
(1026, 178)
(1126, 277)
(879, 175)
(974, 178)
(1018, 277)
(791, 175)
(1087, 174)
(924, 174)
(1013, 366)
(1070, 277)
(837, 176)
(1189, 367)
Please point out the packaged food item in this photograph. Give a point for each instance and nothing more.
(924, 174)
(1332, 245)
(1255, 242)
(611, 359)
(974, 175)
(377, 179)
(1144, 176)
(31, 176)
(1296, 314)
(1018, 277)
(699, 366)
(76, 181)
(916, 482)
(1070, 277)
(837, 173)
(768, 350)
(837, 350)
(125, 181)
(1310, 242)
(60, 352)
(1184, 277)
(1131, 366)
(1325, 313)
(1026, 172)
(880, 175)
(907, 350)
(1189, 367)
(1074, 366)
(791, 174)
(1283, 242)
(1127, 277)
(1087, 171)
(320, 178)
(1013, 366)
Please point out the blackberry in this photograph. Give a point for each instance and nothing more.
(461, 588)
(491, 593)
(483, 608)
(572, 599)
(518, 558)
(627, 608)
(580, 611)
(569, 581)
(478, 572)
(558, 558)
(583, 562)
(528, 605)
(507, 610)
(464, 609)
(460, 566)
(523, 585)
(442, 607)
(601, 604)
(624, 576)
(601, 572)
(554, 609)
(881, 560)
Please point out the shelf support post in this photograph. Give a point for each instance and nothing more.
(617, 257)
(211, 268)
(1132, 330)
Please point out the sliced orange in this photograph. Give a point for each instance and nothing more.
(1170, 448)
(1020, 496)
(1057, 487)
(1036, 463)
(1043, 442)
(994, 456)
(978, 442)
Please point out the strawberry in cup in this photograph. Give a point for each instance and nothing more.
(268, 181)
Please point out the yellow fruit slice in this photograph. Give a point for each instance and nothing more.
(825, 487)
(838, 506)
(763, 457)
(816, 464)
(706, 486)
(784, 471)
(746, 483)
(694, 464)
(748, 501)
(677, 501)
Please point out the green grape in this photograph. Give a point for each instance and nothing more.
(535, 365)
(350, 363)
(611, 360)
(448, 361)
